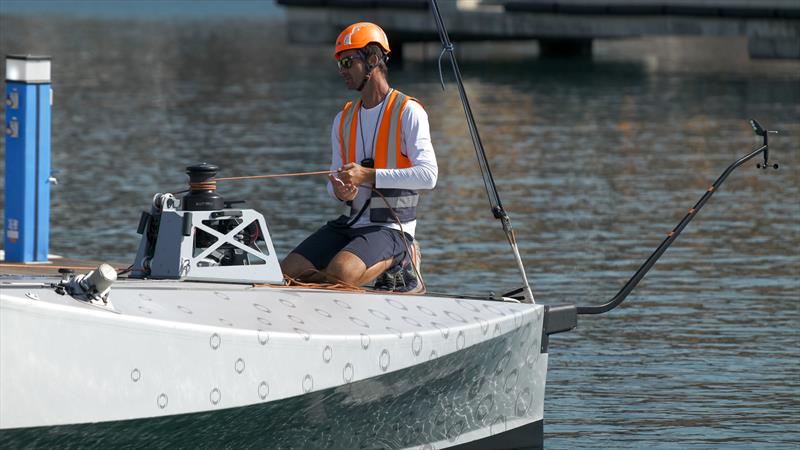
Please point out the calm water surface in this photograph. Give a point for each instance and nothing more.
(595, 161)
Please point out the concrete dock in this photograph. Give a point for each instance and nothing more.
(562, 27)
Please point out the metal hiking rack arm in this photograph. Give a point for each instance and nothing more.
(488, 180)
(644, 268)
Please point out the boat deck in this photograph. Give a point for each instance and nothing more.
(50, 268)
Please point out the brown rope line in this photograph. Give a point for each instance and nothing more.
(211, 185)
(295, 283)
(405, 242)
(278, 175)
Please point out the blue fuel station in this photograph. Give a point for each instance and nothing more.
(26, 219)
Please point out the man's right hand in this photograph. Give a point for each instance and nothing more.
(344, 192)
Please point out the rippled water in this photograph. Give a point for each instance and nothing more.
(595, 162)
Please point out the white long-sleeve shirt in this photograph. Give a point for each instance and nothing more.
(415, 144)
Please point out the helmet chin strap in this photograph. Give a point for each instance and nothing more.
(370, 68)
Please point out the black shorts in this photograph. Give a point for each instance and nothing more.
(371, 244)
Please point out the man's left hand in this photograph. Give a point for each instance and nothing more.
(353, 173)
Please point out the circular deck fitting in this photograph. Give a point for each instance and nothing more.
(359, 322)
(460, 340)
(523, 403)
(262, 308)
(215, 396)
(239, 366)
(327, 354)
(503, 363)
(498, 425)
(416, 344)
(348, 372)
(511, 381)
(342, 303)
(263, 337)
(365, 340)
(395, 304)
(384, 360)
(425, 310)
(136, 375)
(214, 341)
(263, 390)
(162, 401)
(379, 314)
(411, 321)
(287, 303)
(455, 316)
(308, 383)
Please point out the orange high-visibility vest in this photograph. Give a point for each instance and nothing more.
(388, 155)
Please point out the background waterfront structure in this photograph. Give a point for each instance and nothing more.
(561, 27)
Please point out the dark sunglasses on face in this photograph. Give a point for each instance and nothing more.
(346, 62)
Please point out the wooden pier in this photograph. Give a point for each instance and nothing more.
(563, 27)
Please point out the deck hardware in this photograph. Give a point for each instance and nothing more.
(651, 260)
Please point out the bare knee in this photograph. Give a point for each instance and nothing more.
(296, 265)
(345, 268)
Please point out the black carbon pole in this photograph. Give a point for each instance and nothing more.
(648, 264)
(491, 189)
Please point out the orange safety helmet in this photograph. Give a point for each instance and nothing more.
(359, 35)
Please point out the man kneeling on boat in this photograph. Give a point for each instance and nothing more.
(382, 151)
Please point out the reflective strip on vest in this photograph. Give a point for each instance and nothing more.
(347, 132)
(402, 201)
(388, 155)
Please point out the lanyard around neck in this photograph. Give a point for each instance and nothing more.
(375, 130)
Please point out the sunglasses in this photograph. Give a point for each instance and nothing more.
(346, 62)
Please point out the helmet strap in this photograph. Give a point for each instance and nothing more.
(368, 75)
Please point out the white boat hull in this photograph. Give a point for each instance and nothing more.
(268, 367)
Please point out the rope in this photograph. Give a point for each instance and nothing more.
(405, 242)
(278, 175)
(211, 185)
